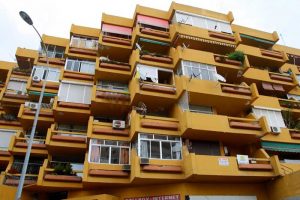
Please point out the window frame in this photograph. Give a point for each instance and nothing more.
(73, 61)
(13, 132)
(46, 71)
(155, 78)
(110, 146)
(211, 70)
(22, 88)
(270, 120)
(85, 41)
(67, 93)
(160, 145)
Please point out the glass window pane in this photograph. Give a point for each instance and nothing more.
(76, 66)
(155, 149)
(124, 156)
(69, 65)
(95, 154)
(111, 142)
(104, 158)
(144, 149)
(115, 155)
(160, 137)
(166, 150)
(176, 150)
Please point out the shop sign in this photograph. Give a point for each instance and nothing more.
(161, 197)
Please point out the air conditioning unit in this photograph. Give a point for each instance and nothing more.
(118, 124)
(36, 78)
(31, 105)
(275, 130)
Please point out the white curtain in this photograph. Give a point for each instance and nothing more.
(148, 72)
(5, 138)
(87, 67)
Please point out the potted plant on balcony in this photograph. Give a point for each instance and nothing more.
(237, 55)
(64, 169)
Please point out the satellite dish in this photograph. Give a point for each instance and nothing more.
(220, 78)
(138, 46)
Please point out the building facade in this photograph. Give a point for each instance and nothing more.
(177, 104)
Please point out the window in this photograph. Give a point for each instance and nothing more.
(54, 51)
(112, 85)
(81, 42)
(159, 146)
(204, 148)
(155, 75)
(71, 128)
(75, 93)
(16, 85)
(202, 22)
(293, 96)
(197, 70)
(152, 22)
(46, 73)
(201, 109)
(5, 138)
(109, 151)
(274, 117)
(116, 31)
(80, 66)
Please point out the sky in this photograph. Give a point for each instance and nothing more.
(54, 17)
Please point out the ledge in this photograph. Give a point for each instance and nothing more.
(24, 145)
(17, 96)
(154, 32)
(244, 125)
(112, 96)
(68, 138)
(15, 182)
(69, 74)
(92, 52)
(4, 153)
(101, 172)
(110, 131)
(236, 90)
(116, 40)
(62, 178)
(162, 168)
(263, 167)
(115, 66)
(74, 105)
(222, 36)
(169, 126)
(271, 53)
(281, 78)
(48, 85)
(158, 88)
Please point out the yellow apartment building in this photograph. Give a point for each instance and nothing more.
(180, 104)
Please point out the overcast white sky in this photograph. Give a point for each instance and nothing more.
(54, 17)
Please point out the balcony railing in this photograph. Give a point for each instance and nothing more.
(154, 32)
(263, 164)
(114, 65)
(280, 77)
(272, 53)
(295, 134)
(103, 128)
(236, 89)
(291, 104)
(68, 136)
(112, 95)
(155, 57)
(157, 87)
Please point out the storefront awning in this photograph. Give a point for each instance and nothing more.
(205, 40)
(45, 94)
(116, 29)
(257, 39)
(154, 42)
(152, 21)
(281, 147)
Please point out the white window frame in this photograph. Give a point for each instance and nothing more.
(110, 147)
(22, 88)
(67, 94)
(85, 41)
(200, 67)
(160, 145)
(80, 67)
(191, 17)
(154, 78)
(275, 120)
(12, 132)
(112, 85)
(294, 96)
(46, 71)
(53, 53)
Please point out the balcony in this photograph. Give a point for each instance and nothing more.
(151, 93)
(262, 57)
(34, 88)
(99, 130)
(52, 60)
(202, 39)
(52, 178)
(105, 174)
(13, 173)
(151, 59)
(224, 66)
(110, 102)
(156, 170)
(141, 34)
(69, 112)
(253, 37)
(201, 126)
(13, 99)
(216, 168)
(211, 93)
(113, 70)
(27, 114)
(66, 141)
(153, 124)
(26, 58)
(18, 145)
(8, 121)
(289, 105)
(270, 83)
(82, 49)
